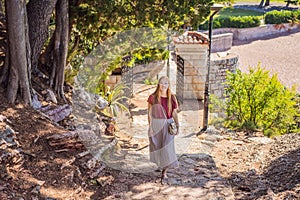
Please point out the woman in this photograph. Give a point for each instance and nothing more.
(162, 109)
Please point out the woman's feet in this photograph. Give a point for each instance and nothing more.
(164, 177)
(158, 170)
(164, 172)
(164, 180)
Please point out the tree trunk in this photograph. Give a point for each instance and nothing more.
(60, 48)
(1, 7)
(19, 51)
(267, 3)
(39, 13)
(75, 44)
(261, 4)
(4, 69)
(3, 50)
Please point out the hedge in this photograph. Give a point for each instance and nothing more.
(283, 16)
(233, 22)
(272, 17)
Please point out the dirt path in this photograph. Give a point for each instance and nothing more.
(279, 54)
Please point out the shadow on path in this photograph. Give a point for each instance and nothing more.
(282, 174)
(197, 177)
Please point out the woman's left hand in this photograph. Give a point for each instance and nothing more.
(177, 131)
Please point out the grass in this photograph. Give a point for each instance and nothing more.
(258, 1)
(230, 11)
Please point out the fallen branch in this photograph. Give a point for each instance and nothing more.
(142, 148)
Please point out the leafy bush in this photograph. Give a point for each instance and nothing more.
(296, 127)
(116, 101)
(233, 22)
(148, 81)
(284, 16)
(258, 101)
(72, 69)
(143, 56)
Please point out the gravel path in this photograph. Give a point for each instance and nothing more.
(279, 54)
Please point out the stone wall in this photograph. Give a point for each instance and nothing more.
(218, 72)
(113, 80)
(147, 71)
(222, 38)
(256, 32)
(221, 42)
(140, 73)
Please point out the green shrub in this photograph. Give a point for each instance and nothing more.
(259, 101)
(148, 81)
(234, 22)
(240, 22)
(284, 16)
(296, 127)
(217, 106)
(147, 55)
(116, 101)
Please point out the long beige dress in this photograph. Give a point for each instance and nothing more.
(161, 143)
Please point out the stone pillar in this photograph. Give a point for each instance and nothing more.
(220, 66)
(194, 50)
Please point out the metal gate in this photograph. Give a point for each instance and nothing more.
(180, 79)
(127, 80)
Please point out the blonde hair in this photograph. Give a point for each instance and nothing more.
(157, 93)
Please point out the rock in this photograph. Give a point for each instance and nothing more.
(59, 113)
(105, 180)
(36, 189)
(51, 96)
(2, 118)
(261, 140)
(36, 104)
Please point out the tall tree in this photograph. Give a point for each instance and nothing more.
(18, 50)
(39, 17)
(20, 45)
(39, 14)
(60, 47)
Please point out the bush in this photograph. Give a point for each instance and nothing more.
(296, 127)
(116, 101)
(143, 56)
(148, 81)
(233, 22)
(258, 101)
(284, 16)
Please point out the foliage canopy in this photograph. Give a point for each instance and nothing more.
(94, 21)
(103, 32)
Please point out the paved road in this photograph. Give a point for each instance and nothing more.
(278, 54)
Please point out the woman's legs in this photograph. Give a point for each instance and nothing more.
(164, 173)
(164, 176)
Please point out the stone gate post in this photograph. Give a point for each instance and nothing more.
(193, 48)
